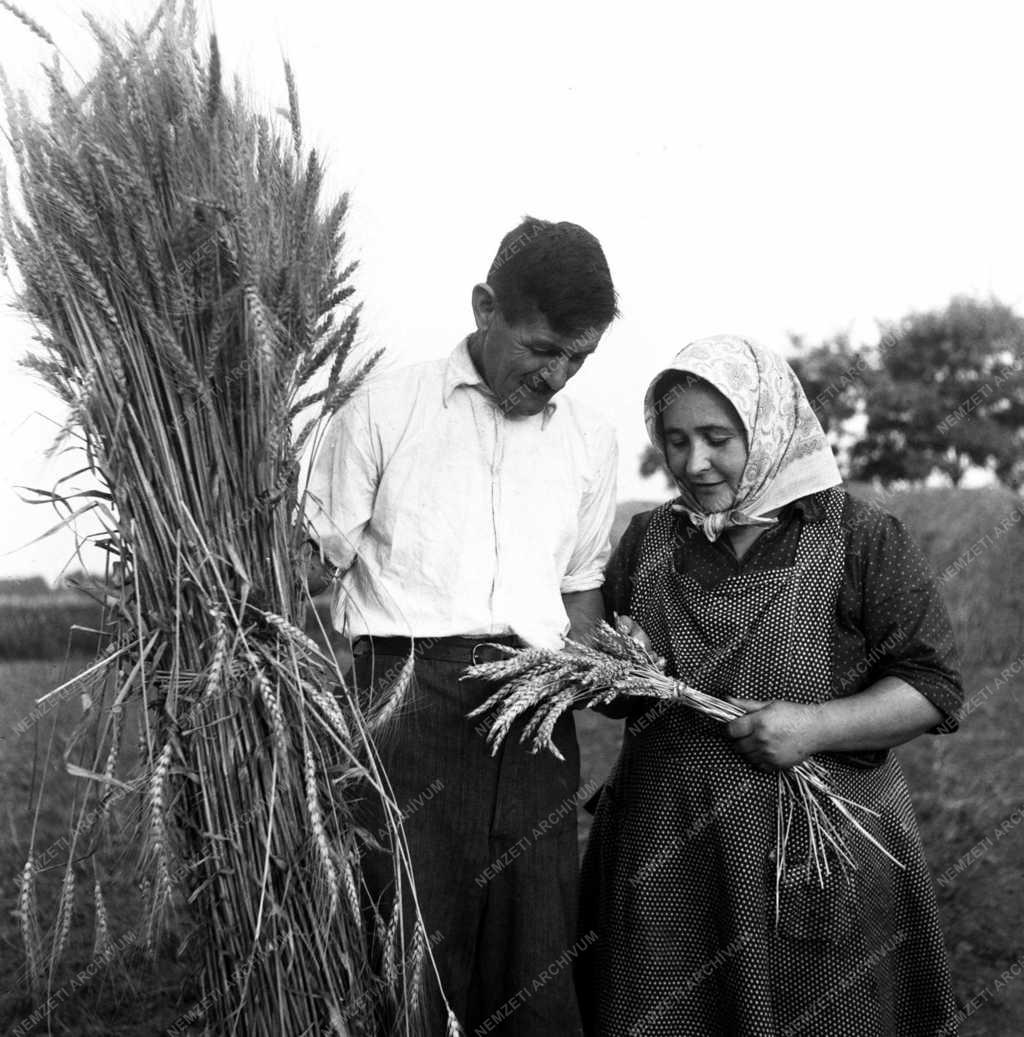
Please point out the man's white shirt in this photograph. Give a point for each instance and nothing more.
(448, 517)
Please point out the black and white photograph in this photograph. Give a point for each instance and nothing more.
(362, 677)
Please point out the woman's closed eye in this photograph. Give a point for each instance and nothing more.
(711, 438)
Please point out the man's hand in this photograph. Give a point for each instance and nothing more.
(774, 735)
(317, 572)
(584, 609)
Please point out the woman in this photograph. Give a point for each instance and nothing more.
(765, 583)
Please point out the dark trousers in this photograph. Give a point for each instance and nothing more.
(492, 841)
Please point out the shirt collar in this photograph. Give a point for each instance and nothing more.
(460, 371)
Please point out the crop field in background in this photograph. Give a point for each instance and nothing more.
(967, 789)
(47, 626)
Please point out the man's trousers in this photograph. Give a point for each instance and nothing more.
(492, 841)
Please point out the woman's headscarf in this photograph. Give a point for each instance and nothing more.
(788, 456)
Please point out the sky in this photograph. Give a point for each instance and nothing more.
(761, 169)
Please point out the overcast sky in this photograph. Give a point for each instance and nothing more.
(749, 167)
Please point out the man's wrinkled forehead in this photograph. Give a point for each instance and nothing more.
(537, 334)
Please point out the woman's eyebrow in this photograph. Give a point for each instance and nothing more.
(704, 428)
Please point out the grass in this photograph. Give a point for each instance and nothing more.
(974, 540)
(135, 996)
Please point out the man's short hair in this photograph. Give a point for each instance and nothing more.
(558, 269)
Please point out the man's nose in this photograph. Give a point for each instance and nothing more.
(556, 372)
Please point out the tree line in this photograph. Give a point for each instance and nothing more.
(941, 391)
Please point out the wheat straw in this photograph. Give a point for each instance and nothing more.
(102, 940)
(28, 917)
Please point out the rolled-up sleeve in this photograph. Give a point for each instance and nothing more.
(596, 515)
(906, 626)
(342, 474)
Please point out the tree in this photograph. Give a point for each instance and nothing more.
(652, 462)
(24, 587)
(948, 394)
(834, 376)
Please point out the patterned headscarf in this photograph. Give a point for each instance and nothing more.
(788, 456)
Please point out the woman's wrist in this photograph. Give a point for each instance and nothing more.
(823, 726)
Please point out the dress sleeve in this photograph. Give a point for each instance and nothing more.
(906, 628)
(618, 575)
(341, 484)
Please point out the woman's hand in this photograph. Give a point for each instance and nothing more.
(775, 735)
(628, 626)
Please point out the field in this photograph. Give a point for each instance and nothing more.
(967, 789)
(47, 626)
(134, 996)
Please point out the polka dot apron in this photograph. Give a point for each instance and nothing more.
(679, 879)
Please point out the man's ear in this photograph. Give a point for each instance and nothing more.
(485, 305)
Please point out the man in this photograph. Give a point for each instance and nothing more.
(464, 504)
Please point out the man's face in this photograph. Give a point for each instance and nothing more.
(525, 364)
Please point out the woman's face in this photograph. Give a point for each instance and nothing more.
(705, 445)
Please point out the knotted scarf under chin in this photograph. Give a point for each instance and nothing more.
(714, 524)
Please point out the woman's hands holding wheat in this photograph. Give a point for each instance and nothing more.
(774, 735)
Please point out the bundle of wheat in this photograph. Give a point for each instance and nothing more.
(186, 287)
(546, 684)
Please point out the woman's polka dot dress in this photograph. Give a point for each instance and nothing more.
(694, 934)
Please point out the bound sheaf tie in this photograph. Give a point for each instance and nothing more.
(788, 456)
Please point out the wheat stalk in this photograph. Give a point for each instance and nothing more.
(65, 910)
(28, 917)
(102, 941)
(394, 697)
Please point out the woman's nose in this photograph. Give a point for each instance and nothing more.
(697, 459)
